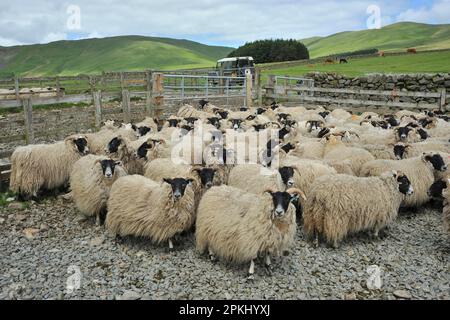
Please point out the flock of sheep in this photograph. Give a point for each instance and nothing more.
(244, 180)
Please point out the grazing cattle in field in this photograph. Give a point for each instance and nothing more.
(381, 54)
(411, 50)
(343, 60)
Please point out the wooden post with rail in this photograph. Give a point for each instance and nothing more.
(98, 108)
(148, 98)
(270, 89)
(16, 87)
(126, 106)
(157, 94)
(442, 100)
(258, 86)
(248, 88)
(28, 116)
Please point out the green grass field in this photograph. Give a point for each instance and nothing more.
(395, 37)
(90, 56)
(432, 62)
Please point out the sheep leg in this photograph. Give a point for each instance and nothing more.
(316, 240)
(170, 245)
(211, 255)
(97, 219)
(251, 271)
(268, 264)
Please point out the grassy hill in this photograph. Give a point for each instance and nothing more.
(395, 37)
(430, 62)
(108, 54)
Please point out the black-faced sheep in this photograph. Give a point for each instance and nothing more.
(341, 204)
(91, 180)
(45, 166)
(239, 226)
(142, 207)
(420, 171)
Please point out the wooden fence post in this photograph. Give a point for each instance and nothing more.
(126, 106)
(258, 86)
(58, 87)
(442, 101)
(122, 86)
(28, 115)
(16, 87)
(248, 89)
(148, 98)
(98, 108)
(270, 89)
(157, 94)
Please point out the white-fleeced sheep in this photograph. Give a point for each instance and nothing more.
(254, 178)
(141, 207)
(91, 180)
(239, 226)
(419, 170)
(45, 166)
(338, 205)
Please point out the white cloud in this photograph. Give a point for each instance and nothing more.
(211, 21)
(8, 42)
(51, 37)
(438, 12)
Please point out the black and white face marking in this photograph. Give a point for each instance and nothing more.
(223, 114)
(113, 145)
(260, 111)
(437, 162)
(178, 186)
(281, 202)
(324, 114)
(143, 149)
(143, 130)
(202, 103)
(284, 132)
(403, 132)
(214, 121)
(404, 185)
(287, 175)
(288, 147)
(250, 118)
(243, 109)
(399, 151)
(314, 125)
(259, 127)
(187, 129)
(425, 122)
(190, 120)
(81, 144)
(282, 117)
(206, 176)
(391, 120)
(173, 123)
(236, 123)
(323, 133)
(423, 134)
(437, 189)
(108, 167)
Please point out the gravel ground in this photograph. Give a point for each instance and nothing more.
(43, 245)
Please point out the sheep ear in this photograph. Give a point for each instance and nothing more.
(394, 173)
(118, 163)
(296, 193)
(190, 181)
(169, 181)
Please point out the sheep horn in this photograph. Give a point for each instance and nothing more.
(298, 191)
(270, 190)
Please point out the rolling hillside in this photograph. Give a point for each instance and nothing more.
(395, 37)
(108, 54)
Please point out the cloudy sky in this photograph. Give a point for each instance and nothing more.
(230, 22)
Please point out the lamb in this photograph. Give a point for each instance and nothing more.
(356, 204)
(91, 180)
(254, 178)
(45, 166)
(337, 150)
(420, 171)
(142, 207)
(239, 226)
